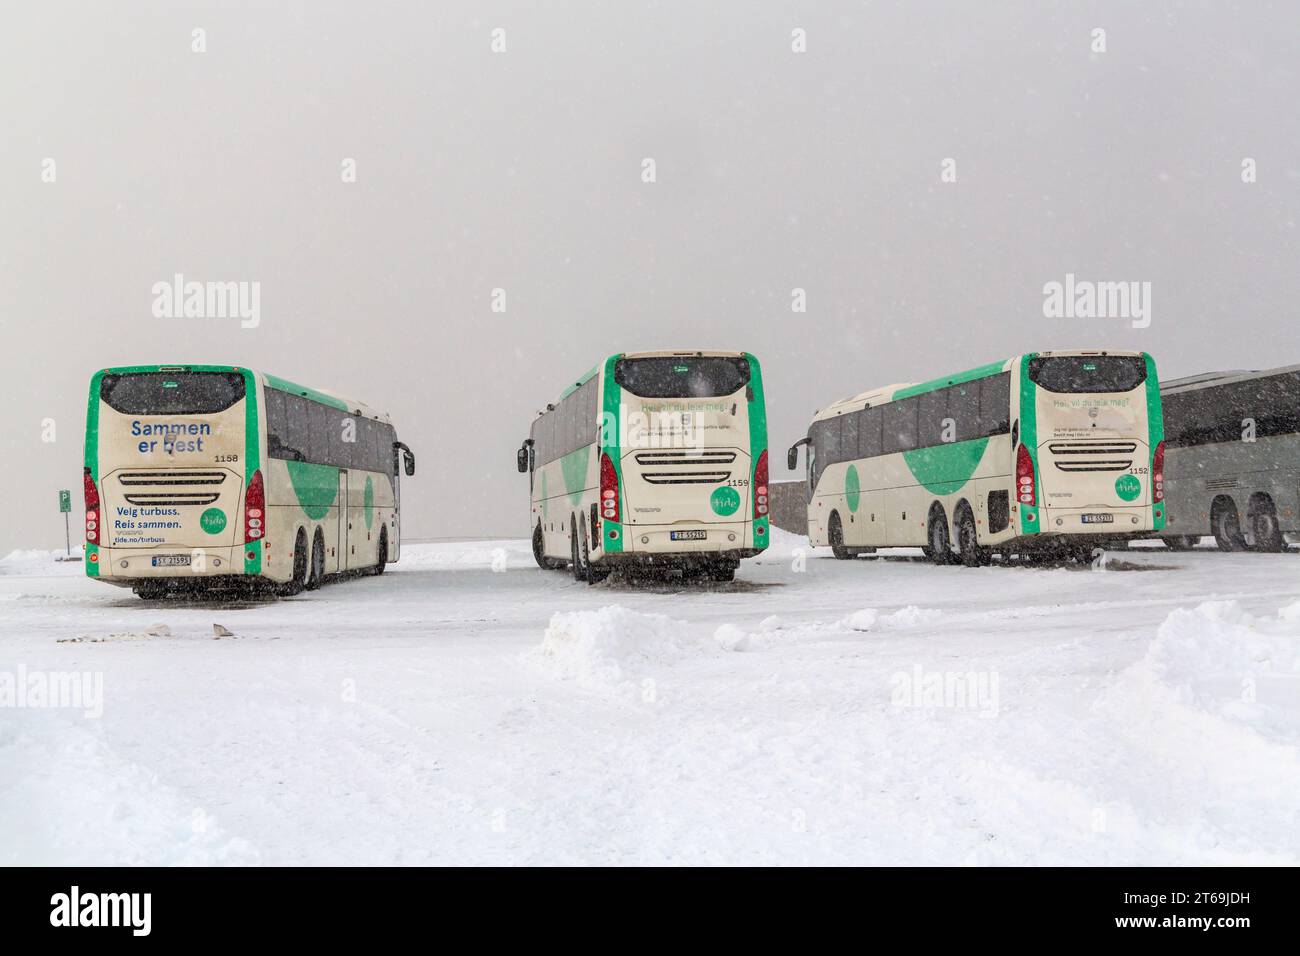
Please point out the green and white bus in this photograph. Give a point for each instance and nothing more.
(1050, 452)
(211, 474)
(653, 460)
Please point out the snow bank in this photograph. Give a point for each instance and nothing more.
(904, 619)
(610, 646)
(773, 632)
(97, 808)
(1221, 661)
(1215, 704)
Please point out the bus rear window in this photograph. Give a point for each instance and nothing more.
(172, 393)
(1088, 373)
(683, 377)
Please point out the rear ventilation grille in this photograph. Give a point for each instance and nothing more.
(172, 487)
(686, 467)
(1076, 456)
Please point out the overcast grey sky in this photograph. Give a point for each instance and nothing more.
(522, 170)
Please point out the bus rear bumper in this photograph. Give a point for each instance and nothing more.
(128, 565)
(656, 543)
(1123, 522)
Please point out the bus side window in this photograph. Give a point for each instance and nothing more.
(995, 405)
(869, 432)
(932, 410)
(277, 425)
(964, 410)
(299, 428)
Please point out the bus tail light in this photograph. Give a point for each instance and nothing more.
(1025, 491)
(1158, 474)
(254, 509)
(608, 489)
(760, 485)
(92, 507)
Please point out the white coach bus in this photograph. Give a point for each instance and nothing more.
(211, 474)
(1233, 465)
(1050, 452)
(652, 460)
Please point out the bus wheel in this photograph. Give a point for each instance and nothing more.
(575, 559)
(972, 555)
(299, 580)
(1226, 526)
(937, 535)
(539, 552)
(1180, 542)
(317, 573)
(835, 533)
(381, 561)
(1264, 527)
(593, 574)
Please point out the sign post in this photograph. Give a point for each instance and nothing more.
(65, 506)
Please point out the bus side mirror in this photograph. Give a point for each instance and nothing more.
(408, 459)
(521, 459)
(792, 456)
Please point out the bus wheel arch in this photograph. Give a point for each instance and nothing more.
(298, 569)
(539, 550)
(381, 554)
(938, 537)
(1225, 523)
(1265, 530)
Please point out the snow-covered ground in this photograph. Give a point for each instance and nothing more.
(469, 708)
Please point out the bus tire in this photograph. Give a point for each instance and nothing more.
(1264, 526)
(835, 535)
(968, 546)
(936, 535)
(298, 581)
(539, 551)
(316, 574)
(575, 558)
(1226, 525)
(381, 558)
(591, 573)
(1180, 542)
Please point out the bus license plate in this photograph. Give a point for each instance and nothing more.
(688, 535)
(171, 560)
(1098, 519)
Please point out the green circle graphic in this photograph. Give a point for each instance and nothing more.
(852, 487)
(1128, 487)
(213, 521)
(725, 501)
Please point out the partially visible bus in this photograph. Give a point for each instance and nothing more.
(209, 474)
(1233, 465)
(652, 460)
(1051, 452)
